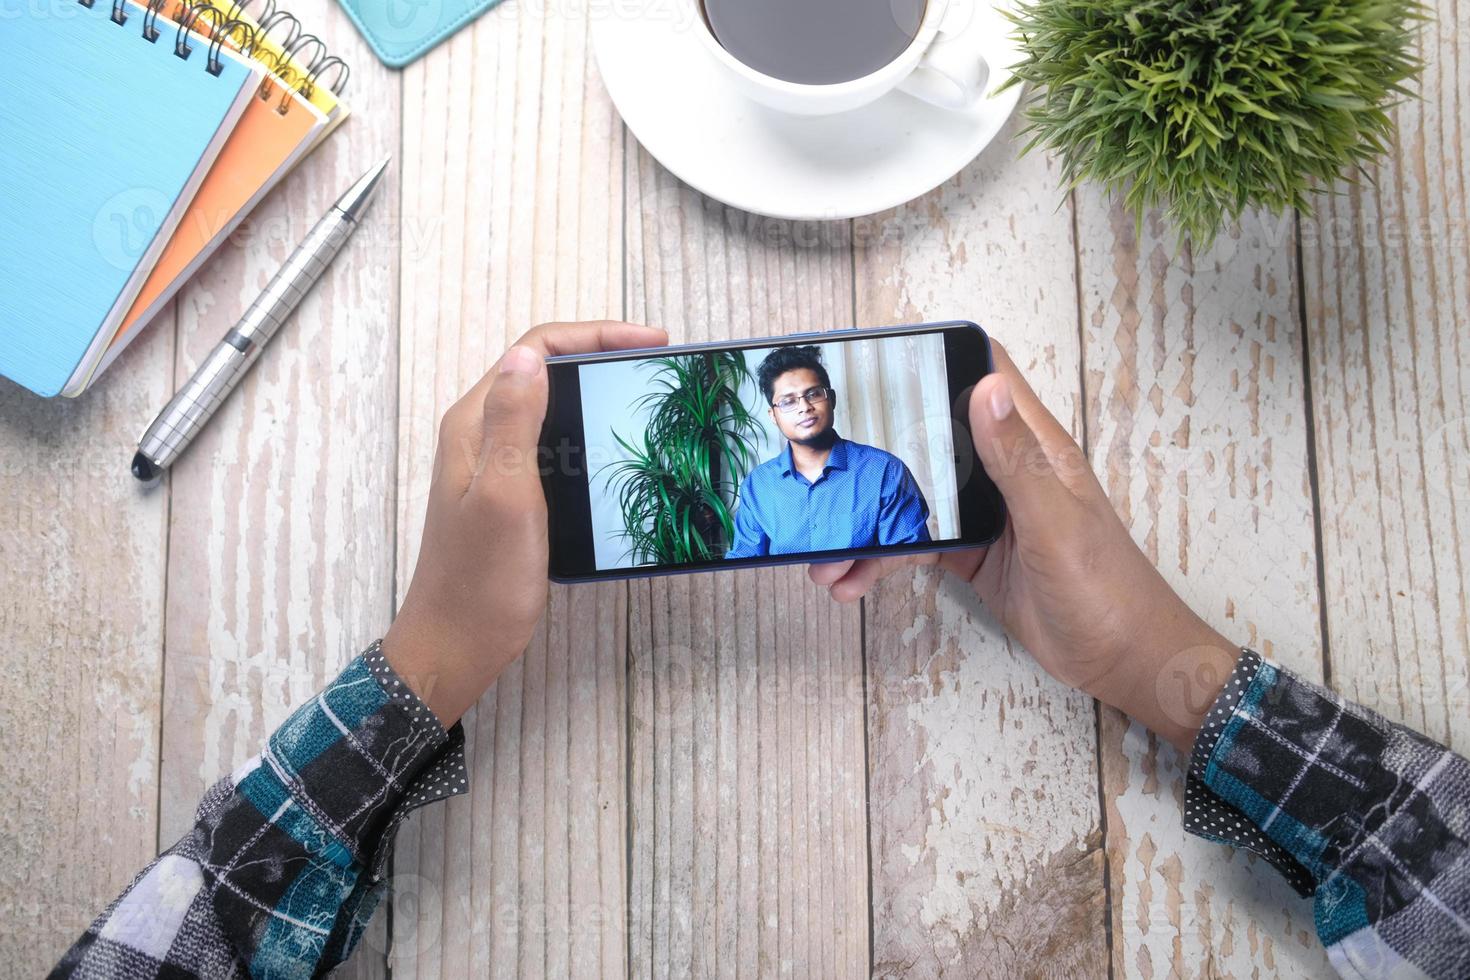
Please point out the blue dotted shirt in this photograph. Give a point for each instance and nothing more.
(864, 497)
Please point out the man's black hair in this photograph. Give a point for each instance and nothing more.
(784, 359)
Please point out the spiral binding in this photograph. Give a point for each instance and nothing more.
(268, 24)
(281, 69)
(239, 6)
(232, 28)
(227, 26)
(221, 29)
(150, 27)
(293, 51)
(314, 70)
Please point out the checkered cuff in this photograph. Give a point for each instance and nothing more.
(1206, 813)
(364, 753)
(1368, 817)
(284, 865)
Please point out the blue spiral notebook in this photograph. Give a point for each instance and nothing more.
(104, 137)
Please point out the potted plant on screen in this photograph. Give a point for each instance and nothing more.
(676, 489)
(1205, 108)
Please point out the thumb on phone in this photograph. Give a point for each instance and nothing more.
(514, 410)
(1014, 455)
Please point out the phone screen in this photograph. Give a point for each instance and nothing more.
(809, 447)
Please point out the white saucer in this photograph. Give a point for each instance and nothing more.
(679, 104)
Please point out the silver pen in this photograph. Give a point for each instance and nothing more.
(195, 403)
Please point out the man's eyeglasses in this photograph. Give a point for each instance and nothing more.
(792, 403)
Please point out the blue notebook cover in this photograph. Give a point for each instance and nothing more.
(104, 137)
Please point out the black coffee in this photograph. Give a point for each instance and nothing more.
(815, 42)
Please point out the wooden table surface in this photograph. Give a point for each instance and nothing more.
(726, 774)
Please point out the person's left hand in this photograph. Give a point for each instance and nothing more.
(479, 588)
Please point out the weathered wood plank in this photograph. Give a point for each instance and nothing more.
(746, 688)
(511, 215)
(986, 842)
(281, 523)
(1196, 419)
(1388, 320)
(81, 620)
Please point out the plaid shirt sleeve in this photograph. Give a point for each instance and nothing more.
(287, 857)
(1368, 817)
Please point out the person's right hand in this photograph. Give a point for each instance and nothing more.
(479, 588)
(1065, 578)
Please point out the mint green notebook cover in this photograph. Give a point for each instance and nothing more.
(401, 31)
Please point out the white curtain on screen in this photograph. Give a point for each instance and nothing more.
(893, 393)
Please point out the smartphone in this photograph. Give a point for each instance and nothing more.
(807, 447)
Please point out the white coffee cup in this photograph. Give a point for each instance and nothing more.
(944, 65)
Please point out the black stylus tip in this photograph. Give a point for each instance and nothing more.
(145, 469)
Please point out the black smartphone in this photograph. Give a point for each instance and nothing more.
(808, 447)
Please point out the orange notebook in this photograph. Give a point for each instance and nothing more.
(265, 145)
(278, 128)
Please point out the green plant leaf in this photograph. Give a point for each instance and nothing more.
(676, 484)
(1204, 108)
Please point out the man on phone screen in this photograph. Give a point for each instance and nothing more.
(823, 492)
